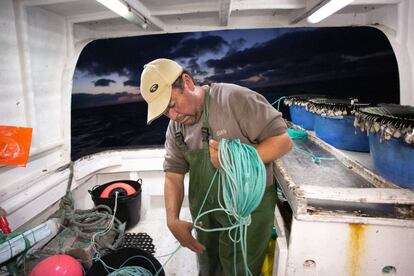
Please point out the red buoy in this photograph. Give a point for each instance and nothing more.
(58, 265)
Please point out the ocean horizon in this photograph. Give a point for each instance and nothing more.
(121, 126)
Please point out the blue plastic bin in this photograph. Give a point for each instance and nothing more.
(393, 160)
(341, 133)
(301, 117)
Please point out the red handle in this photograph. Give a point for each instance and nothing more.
(4, 225)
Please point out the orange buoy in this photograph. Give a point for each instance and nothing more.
(123, 189)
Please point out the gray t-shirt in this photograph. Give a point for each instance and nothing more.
(235, 112)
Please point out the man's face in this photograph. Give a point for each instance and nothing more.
(184, 107)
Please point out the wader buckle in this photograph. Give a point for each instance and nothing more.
(205, 133)
(179, 138)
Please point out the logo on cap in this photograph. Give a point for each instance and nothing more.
(153, 88)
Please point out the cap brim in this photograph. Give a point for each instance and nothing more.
(157, 106)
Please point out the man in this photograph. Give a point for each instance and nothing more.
(200, 117)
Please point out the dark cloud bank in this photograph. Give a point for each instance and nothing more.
(313, 60)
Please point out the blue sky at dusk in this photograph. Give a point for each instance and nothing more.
(108, 70)
(223, 42)
(108, 111)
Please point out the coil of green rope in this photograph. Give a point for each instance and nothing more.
(242, 180)
(125, 270)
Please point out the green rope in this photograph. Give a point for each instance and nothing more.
(315, 159)
(5, 237)
(278, 102)
(297, 134)
(301, 134)
(129, 270)
(242, 180)
(85, 223)
(15, 261)
(124, 270)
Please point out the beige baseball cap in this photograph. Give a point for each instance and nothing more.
(156, 84)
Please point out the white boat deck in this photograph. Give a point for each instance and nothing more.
(145, 165)
(153, 222)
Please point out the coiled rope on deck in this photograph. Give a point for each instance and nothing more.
(130, 270)
(127, 270)
(242, 180)
(301, 135)
(123, 269)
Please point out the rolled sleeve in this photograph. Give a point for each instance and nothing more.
(259, 119)
(174, 160)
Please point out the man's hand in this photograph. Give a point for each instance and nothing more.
(182, 232)
(214, 153)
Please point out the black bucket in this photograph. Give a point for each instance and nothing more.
(128, 206)
(127, 256)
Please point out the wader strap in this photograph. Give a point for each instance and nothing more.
(205, 129)
(179, 138)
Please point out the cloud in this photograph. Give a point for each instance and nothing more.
(126, 56)
(193, 47)
(131, 82)
(293, 56)
(194, 67)
(103, 82)
(236, 45)
(350, 58)
(83, 100)
(305, 44)
(304, 53)
(255, 78)
(126, 98)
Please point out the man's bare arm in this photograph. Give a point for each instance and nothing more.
(174, 195)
